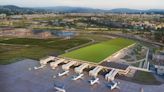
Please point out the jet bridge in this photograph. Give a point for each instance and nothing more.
(56, 63)
(110, 76)
(46, 60)
(81, 68)
(95, 71)
(68, 65)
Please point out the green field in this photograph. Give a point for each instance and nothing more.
(100, 51)
(15, 49)
(146, 78)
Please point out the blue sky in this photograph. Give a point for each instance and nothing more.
(101, 4)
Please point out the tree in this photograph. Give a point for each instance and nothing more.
(159, 35)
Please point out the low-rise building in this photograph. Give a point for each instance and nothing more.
(44, 35)
(2, 16)
(16, 32)
(159, 63)
(24, 33)
(17, 17)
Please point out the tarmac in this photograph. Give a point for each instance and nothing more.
(21, 77)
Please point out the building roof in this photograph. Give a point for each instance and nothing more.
(115, 65)
(96, 53)
(159, 59)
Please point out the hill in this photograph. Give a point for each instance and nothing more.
(11, 9)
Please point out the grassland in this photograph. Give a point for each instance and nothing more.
(95, 37)
(98, 52)
(145, 78)
(12, 49)
(48, 28)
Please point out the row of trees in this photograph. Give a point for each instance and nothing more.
(159, 35)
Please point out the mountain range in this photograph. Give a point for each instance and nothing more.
(12, 9)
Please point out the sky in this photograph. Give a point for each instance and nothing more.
(100, 4)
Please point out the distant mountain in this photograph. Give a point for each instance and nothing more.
(155, 11)
(67, 9)
(126, 10)
(11, 9)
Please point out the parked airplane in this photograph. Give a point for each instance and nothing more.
(59, 88)
(80, 76)
(92, 82)
(62, 74)
(39, 67)
(112, 85)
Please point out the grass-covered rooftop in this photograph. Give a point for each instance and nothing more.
(100, 51)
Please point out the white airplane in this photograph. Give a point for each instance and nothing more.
(112, 85)
(80, 76)
(39, 67)
(92, 82)
(62, 74)
(60, 89)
